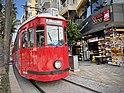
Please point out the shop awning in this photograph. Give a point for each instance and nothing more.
(105, 26)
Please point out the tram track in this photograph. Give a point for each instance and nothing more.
(81, 86)
(37, 87)
(62, 85)
(58, 87)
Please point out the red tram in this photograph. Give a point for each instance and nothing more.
(40, 52)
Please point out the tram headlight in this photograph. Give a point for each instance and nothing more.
(57, 64)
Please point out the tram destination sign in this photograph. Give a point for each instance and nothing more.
(54, 22)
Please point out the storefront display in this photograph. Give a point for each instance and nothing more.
(106, 30)
(117, 49)
(108, 48)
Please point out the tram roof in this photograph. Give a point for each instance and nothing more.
(42, 15)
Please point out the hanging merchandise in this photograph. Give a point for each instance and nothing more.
(117, 49)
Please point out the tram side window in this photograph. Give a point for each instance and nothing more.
(30, 37)
(40, 36)
(17, 43)
(24, 39)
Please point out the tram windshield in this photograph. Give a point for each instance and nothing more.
(55, 36)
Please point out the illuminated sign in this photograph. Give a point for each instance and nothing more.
(97, 18)
(101, 17)
(54, 22)
(93, 39)
(106, 15)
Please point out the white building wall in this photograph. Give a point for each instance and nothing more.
(118, 1)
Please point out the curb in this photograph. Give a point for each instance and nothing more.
(14, 85)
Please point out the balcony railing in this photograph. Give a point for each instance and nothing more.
(67, 7)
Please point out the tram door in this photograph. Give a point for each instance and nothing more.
(17, 51)
(24, 52)
(27, 49)
(31, 48)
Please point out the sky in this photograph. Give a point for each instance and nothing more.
(20, 9)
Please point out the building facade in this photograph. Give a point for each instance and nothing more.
(103, 31)
(45, 4)
(31, 9)
(72, 9)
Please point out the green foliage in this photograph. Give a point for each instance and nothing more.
(14, 21)
(13, 17)
(73, 33)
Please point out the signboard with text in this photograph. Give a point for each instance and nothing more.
(106, 15)
(101, 17)
(93, 39)
(54, 22)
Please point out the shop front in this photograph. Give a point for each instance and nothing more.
(106, 31)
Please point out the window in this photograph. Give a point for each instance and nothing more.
(88, 11)
(74, 2)
(29, 1)
(36, 1)
(17, 42)
(53, 1)
(30, 37)
(24, 39)
(67, 1)
(40, 36)
(55, 36)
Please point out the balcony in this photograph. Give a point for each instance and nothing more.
(45, 4)
(71, 6)
(64, 8)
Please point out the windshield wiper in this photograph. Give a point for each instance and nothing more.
(49, 36)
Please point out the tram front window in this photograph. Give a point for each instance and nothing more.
(55, 36)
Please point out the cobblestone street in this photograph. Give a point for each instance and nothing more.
(105, 78)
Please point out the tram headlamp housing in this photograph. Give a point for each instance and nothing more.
(57, 64)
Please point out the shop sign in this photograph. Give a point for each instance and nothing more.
(101, 17)
(97, 18)
(108, 31)
(106, 15)
(93, 39)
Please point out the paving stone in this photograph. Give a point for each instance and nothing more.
(103, 78)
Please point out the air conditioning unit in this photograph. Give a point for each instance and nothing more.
(53, 11)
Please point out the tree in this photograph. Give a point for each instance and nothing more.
(7, 29)
(1, 36)
(13, 21)
(4, 80)
(73, 33)
(9, 15)
(7, 26)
